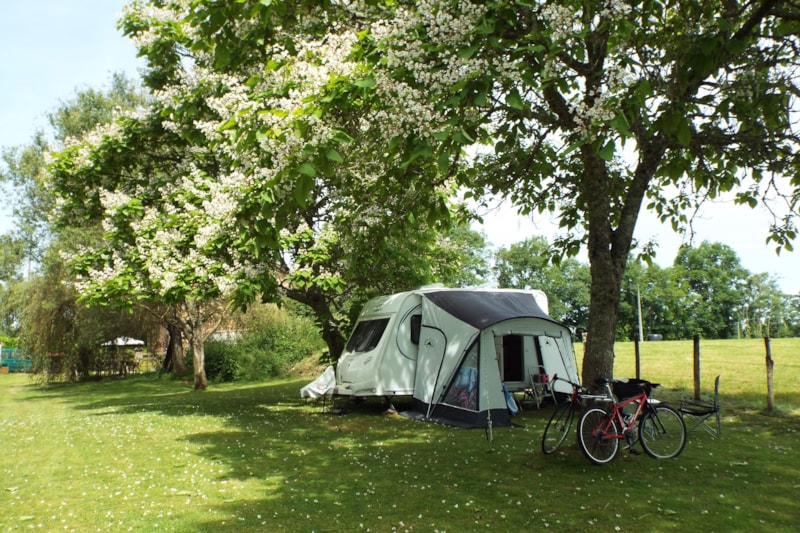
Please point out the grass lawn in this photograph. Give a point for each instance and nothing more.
(144, 454)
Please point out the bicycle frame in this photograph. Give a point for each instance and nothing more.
(660, 428)
(616, 415)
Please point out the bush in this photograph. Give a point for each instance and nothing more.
(274, 341)
(8, 342)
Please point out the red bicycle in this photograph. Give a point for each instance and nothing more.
(661, 430)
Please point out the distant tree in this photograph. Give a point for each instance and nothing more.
(712, 283)
(38, 303)
(566, 283)
(62, 335)
(791, 317)
(24, 176)
(763, 307)
(11, 256)
(31, 200)
(657, 291)
(462, 257)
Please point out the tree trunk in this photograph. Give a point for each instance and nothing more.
(329, 327)
(609, 248)
(199, 351)
(598, 361)
(335, 341)
(607, 260)
(174, 359)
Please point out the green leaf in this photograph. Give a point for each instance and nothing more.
(366, 83)
(342, 137)
(462, 137)
(222, 56)
(787, 27)
(621, 125)
(468, 52)
(736, 46)
(302, 189)
(644, 90)
(684, 132)
(481, 98)
(420, 151)
(334, 156)
(443, 161)
(307, 169)
(570, 148)
(515, 100)
(228, 124)
(606, 153)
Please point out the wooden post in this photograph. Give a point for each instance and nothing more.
(636, 351)
(770, 367)
(696, 341)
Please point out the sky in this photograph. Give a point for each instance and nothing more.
(49, 49)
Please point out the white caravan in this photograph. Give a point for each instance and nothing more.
(382, 355)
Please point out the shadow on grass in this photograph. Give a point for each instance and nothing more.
(275, 463)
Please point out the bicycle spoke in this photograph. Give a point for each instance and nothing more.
(558, 427)
(596, 435)
(662, 433)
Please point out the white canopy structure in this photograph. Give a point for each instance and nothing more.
(124, 341)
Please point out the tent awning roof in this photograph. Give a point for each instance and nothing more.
(482, 309)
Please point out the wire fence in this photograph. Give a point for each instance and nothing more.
(741, 363)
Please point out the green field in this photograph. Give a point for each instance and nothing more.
(148, 454)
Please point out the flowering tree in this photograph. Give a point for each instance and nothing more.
(598, 109)
(162, 214)
(247, 177)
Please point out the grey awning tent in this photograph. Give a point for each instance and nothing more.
(459, 377)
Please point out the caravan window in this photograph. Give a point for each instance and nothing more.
(416, 327)
(367, 335)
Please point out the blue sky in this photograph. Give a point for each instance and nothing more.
(49, 49)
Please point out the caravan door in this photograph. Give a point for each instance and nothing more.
(432, 346)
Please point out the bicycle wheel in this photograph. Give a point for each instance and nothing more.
(662, 432)
(558, 427)
(595, 435)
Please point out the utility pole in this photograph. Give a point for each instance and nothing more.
(639, 301)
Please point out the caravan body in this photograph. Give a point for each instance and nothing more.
(380, 357)
(415, 343)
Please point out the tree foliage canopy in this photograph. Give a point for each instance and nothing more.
(319, 121)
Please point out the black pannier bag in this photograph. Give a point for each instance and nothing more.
(631, 387)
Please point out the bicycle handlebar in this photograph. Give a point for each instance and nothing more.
(583, 392)
(574, 385)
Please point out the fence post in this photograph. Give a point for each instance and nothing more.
(636, 351)
(696, 357)
(770, 367)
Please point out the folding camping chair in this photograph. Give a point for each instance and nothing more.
(539, 388)
(705, 414)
